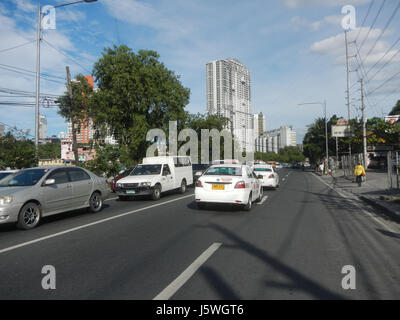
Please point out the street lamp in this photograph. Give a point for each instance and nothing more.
(39, 33)
(326, 126)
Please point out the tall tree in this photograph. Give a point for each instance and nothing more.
(136, 93)
(396, 109)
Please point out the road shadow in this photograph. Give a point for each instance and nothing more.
(389, 234)
(300, 281)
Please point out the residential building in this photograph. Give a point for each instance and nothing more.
(259, 124)
(228, 95)
(274, 140)
(42, 127)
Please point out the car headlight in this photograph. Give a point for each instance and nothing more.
(145, 184)
(6, 200)
(119, 185)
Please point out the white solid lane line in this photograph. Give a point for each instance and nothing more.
(90, 224)
(111, 199)
(263, 200)
(175, 285)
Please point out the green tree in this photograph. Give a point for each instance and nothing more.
(50, 151)
(136, 93)
(396, 109)
(16, 153)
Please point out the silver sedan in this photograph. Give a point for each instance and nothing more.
(30, 194)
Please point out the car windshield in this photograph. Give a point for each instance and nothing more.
(224, 171)
(4, 174)
(262, 169)
(23, 178)
(146, 169)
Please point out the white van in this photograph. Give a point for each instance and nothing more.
(156, 175)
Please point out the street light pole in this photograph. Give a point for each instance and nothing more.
(39, 30)
(38, 39)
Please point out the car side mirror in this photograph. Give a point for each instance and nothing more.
(49, 182)
(198, 173)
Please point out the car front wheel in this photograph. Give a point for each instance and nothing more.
(156, 193)
(95, 202)
(29, 216)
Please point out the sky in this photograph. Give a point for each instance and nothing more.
(294, 49)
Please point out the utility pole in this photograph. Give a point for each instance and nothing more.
(347, 83)
(364, 124)
(326, 136)
(37, 86)
(72, 117)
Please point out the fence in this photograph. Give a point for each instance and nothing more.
(385, 177)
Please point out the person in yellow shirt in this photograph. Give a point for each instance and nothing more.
(359, 172)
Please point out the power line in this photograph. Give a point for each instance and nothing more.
(66, 55)
(33, 72)
(21, 45)
(384, 29)
(26, 73)
(365, 18)
(373, 23)
(380, 59)
(384, 65)
(380, 86)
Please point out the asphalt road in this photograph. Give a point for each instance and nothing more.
(291, 246)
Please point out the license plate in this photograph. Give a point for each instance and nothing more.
(130, 191)
(218, 187)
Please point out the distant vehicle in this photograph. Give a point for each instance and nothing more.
(30, 194)
(228, 184)
(156, 175)
(5, 173)
(122, 174)
(198, 170)
(269, 177)
(278, 166)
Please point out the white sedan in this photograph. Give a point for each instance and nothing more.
(228, 184)
(270, 177)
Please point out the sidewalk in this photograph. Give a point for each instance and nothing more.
(373, 191)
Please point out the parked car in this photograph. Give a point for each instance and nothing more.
(122, 174)
(156, 175)
(268, 176)
(228, 184)
(30, 194)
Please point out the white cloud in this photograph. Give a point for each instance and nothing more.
(70, 15)
(300, 22)
(301, 3)
(25, 5)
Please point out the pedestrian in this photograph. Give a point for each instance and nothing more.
(359, 172)
(321, 168)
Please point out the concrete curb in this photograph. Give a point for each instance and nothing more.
(376, 203)
(382, 206)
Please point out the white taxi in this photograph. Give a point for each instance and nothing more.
(229, 184)
(270, 177)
